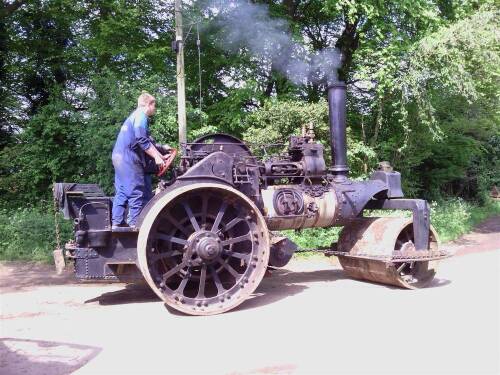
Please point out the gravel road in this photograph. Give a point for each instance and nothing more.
(306, 319)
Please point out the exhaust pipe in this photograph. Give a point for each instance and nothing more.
(337, 113)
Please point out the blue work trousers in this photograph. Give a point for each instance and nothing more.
(132, 188)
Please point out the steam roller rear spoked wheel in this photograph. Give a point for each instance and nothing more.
(205, 250)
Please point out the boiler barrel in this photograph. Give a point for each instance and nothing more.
(288, 207)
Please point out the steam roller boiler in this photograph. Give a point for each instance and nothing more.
(205, 240)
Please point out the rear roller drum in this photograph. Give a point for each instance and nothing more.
(203, 248)
(369, 245)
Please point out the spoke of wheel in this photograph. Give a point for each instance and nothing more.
(232, 223)
(203, 277)
(239, 255)
(401, 267)
(234, 240)
(173, 271)
(173, 239)
(228, 267)
(176, 224)
(194, 223)
(167, 254)
(204, 208)
(218, 284)
(182, 285)
(220, 214)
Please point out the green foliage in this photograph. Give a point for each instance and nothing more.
(313, 238)
(45, 153)
(29, 234)
(454, 217)
(442, 107)
(422, 87)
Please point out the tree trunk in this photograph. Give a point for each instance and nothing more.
(347, 43)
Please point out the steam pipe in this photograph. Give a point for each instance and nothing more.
(337, 114)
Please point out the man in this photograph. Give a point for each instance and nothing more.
(132, 147)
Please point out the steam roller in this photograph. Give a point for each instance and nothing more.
(205, 240)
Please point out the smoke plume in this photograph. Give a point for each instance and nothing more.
(246, 26)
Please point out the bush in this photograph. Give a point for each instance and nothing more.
(29, 234)
(453, 217)
(312, 238)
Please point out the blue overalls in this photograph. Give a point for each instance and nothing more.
(132, 184)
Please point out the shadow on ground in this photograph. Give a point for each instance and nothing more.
(21, 356)
(279, 284)
(284, 283)
(132, 293)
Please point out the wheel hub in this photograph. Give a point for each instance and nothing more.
(206, 245)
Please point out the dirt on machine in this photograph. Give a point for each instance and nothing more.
(205, 240)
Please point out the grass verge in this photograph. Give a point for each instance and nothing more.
(29, 234)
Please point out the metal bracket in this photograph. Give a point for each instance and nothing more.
(421, 216)
(85, 253)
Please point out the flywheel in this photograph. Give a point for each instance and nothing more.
(203, 248)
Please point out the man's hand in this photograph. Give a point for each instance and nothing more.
(159, 160)
(156, 155)
(169, 158)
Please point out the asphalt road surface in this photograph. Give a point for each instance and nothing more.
(306, 319)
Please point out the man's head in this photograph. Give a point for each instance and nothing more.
(147, 102)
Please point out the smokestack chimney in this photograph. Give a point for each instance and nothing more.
(337, 112)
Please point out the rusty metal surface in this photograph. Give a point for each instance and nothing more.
(281, 251)
(382, 250)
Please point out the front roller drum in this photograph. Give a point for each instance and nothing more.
(370, 245)
(203, 248)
